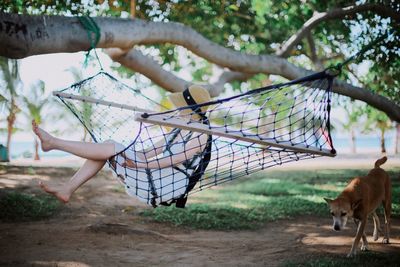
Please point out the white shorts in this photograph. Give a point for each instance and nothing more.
(168, 183)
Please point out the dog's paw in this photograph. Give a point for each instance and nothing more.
(375, 236)
(385, 241)
(364, 248)
(352, 254)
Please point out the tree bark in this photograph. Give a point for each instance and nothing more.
(36, 157)
(136, 61)
(10, 127)
(133, 8)
(383, 146)
(24, 35)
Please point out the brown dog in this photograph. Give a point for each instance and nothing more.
(359, 199)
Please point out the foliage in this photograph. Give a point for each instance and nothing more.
(35, 101)
(267, 196)
(9, 91)
(87, 108)
(384, 72)
(376, 120)
(17, 207)
(256, 27)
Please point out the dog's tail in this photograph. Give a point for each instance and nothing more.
(381, 161)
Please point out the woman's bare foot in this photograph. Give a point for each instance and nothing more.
(46, 140)
(60, 193)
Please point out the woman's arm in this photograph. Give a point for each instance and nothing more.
(152, 151)
(191, 148)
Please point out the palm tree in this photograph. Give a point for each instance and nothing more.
(34, 104)
(85, 108)
(9, 95)
(353, 112)
(378, 120)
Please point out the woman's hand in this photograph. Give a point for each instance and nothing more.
(129, 163)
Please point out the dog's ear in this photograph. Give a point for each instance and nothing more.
(356, 204)
(328, 200)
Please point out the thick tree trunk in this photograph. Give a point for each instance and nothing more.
(25, 35)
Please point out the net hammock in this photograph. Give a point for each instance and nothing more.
(220, 140)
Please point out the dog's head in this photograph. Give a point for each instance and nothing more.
(341, 209)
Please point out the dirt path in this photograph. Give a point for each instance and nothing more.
(100, 228)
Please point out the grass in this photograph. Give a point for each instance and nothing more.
(19, 207)
(365, 259)
(267, 196)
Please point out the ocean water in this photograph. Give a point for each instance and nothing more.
(26, 149)
(363, 142)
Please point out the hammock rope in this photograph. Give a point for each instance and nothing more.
(252, 131)
(235, 136)
(94, 35)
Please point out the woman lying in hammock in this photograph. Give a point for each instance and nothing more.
(155, 175)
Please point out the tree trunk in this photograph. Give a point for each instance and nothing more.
(397, 139)
(10, 128)
(133, 8)
(37, 157)
(353, 141)
(383, 147)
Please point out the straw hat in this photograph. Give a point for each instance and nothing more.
(199, 94)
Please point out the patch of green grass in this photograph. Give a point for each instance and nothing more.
(31, 171)
(18, 207)
(364, 259)
(267, 196)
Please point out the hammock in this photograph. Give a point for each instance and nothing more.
(245, 133)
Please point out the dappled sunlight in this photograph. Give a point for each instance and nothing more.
(316, 234)
(14, 181)
(328, 187)
(59, 263)
(312, 198)
(271, 181)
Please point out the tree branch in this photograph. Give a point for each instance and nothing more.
(336, 13)
(135, 60)
(24, 35)
(313, 53)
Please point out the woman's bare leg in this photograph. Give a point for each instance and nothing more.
(93, 151)
(89, 169)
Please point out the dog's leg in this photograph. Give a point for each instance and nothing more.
(364, 245)
(387, 205)
(388, 209)
(360, 233)
(377, 226)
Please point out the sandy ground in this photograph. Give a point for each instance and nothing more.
(101, 227)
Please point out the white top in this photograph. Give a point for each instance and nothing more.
(168, 183)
